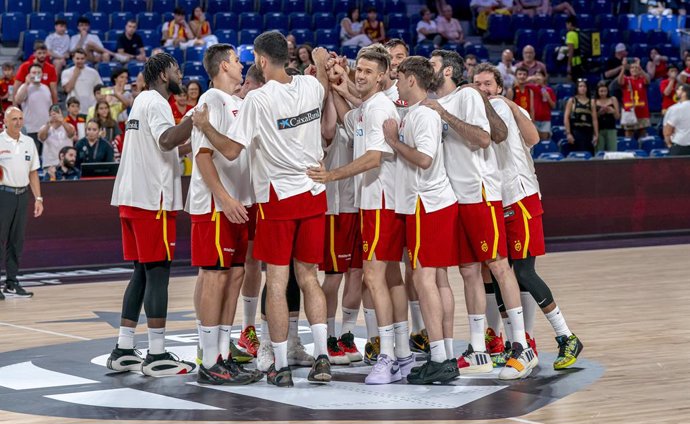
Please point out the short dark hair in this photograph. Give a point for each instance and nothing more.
(73, 100)
(117, 72)
(686, 89)
(36, 65)
(371, 9)
(179, 11)
(94, 120)
(254, 73)
(672, 66)
(214, 56)
(132, 21)
(423, 11)
(452, 59)
(292, 72)
(272, 45)
(83, 20)
(376, 53)
(572, 20)
(8, 65)
(522, 69)
(470, 56)
(397, 42)
(97, 88)
(420, 68)
(541, 72)
(79, 51)
(66, 149)
(40, 45)
(60, 21)
(487, 67)
(156, 65)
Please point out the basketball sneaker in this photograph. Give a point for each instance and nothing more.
(336, 356)
(249, 341)
(569, 349)
(472, 362)
(347, 345)
(500, 359)
(406, 365)
(494, 344)
(419, 342)
(371, 350)
(385, 371)
(234, 367)
(280, 378)
(532, 343)
(240, 356)
(165, 364)
(124, 360)
(520, 364)
(432, 372)
(220, 374)
(2, 296)
(296, 354)
(321, 370)
(14, 289)
(264, 357)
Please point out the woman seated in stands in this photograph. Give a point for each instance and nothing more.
(109, 126)
(93, 148)
(193, 93)
(542, 7)
(201, 28)
(427, 31)
(580, 119)
(373, 28)
(608, 112)
(351, 30)
(304, 57)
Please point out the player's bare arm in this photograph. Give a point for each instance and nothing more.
(370, 160)
(328, 121)
(410, 154)
(475, 135)
(528, 131)
(233, 209)
(176, 136)
(499, 130)
(224, 144)
(320, 57)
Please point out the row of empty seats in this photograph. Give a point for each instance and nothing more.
(644, 147)
(556, 156)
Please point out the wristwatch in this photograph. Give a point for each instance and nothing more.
(39, 199)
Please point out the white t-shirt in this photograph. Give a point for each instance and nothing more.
(365, 125)
(36, 107)
(507, 74)
(58, 43)
(392, 92)
(148, 178)
(83, 88)
(89, 39)
(233, 175)
(57, 139)
(421, 129)
(340, 194)
(677, 117)
(17, 159)
(284, 120)
(469, 167)
(429, 26)
(518, 178)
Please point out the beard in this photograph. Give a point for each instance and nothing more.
(69, 164)
(174, 87)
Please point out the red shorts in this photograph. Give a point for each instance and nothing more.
(218, 242)
(383, 235)
(253, 212)
(342, 249)
(524, 230)
(431, 237)
(147, 236)
(482, 233)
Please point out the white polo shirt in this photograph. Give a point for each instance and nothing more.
(36, 107)
(234, 175)
(469, 168)
(148, 178)
(518, 177)
(56, 140)
(17, 159)
(421, 129)
(284, 120)
(678, 116)
(340, 194)
(365, 125)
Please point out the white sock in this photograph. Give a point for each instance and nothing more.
(387, 334)
(493, 315)
(209, 345)
(156, 341)
(477, 323)
(318, 332)
(249, 312)
(198, 330)
(507, 330)
(448, 344)
(518, 323)
(402, 339)
(370, 321)
(293, 328)
(330, 322)
(265, 334)
(125, 340)
(416, 316)
(224, 341)
(557, 321)
(280, 354)
(349, 320)
(529, 308)
(438, 351)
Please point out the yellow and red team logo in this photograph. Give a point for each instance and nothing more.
(485, 246)
(518, 246)
(365, 247)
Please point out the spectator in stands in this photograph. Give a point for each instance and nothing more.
(79, 80)
(99, 93)
(76, 119)
(427, 31)
(613, 65)
(685, 74)
(677, 124)
(93, 148)
(530, 63)
(293, 60)
(130, 46)
(193, 93)
(482, 9)
(178, 103)
(507, 69)
(139, 85)
(90, 43)
(373, 28)
(544, 99)
(109, 127)
(35, 100)
(66, 170)
(6, 87)
(668, 88)
(304, 57)
(580, 119)
(449, 27)
(177, 32)
(55, 134)
(58, 45)
(608, 113)
(635, 98)
(523, 94)
(546, 8)
(351, 31)
(121, 99)
(201, 27)
(48, 74)
(470, 65)
(657, 66)
(572, 40)
(254, 79)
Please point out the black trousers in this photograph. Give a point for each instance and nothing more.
(678, 150)
(13, 216)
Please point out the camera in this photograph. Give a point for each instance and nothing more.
(36, 78)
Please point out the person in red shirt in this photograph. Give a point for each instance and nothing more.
(6, 82)
(523, 95)
(178, 103)
(77, 120)
(635, 97)
(544, 100)
(668, 88)
(40, 56)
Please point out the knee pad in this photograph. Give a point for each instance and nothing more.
(529, 279)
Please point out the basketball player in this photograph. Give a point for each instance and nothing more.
(523, 211)
(475, 178)
(148, 193)
(426, 199)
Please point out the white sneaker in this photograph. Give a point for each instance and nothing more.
(385, 371)
(520, 363)
(296, 354)
(264, 357)
(472, 362)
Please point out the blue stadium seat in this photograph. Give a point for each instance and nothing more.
(584, 20)
(246, 53)
(148, 20)
(78, 6)
(28, 38)
(303, 35)
(606, 21)
(71, 19)
(668, 49)
(42, 20)
(201, 79)
(21, 6)
(556, 117)
(225, 20)
(227, 36)
(520, 21)
(564, 90)
(322, 6)
(349, 51)
(478, 50)
(675, 37)
(250, 20)
(658, 153)
(557, 132)
(656, 37)
(650, 143)
(546, 36)
(342, 6)
(626, 143)
(176, 52)
(628, 22)
(558, 21)
(640, 50)
(579, 156)
(499, 28)
(553, 156)
(106, 69)
(423, 49)
(275, 20)
(217, 6)
(134, 67)
(299, 20)
(639, 153)
(187, 5)
(134, 6)
(108, 6)
(327, 36)
(636, 37)
(239, 6)
(247, 36)
(397, 20)
(164, 6)
(401, 33)
(290, 6)
(113, 34)
(612, 36)
(194, 54)
(395, 6)
(649, 22)
(524, 37)
(118, 20)
(669, 23)
(109, 45)
(51, 6)
(378, 4)
(654, 96)
(13, 23)
(600, 7)
(270, 6)
(325, 21)
(193, 68)
(150, 37)
(99, 21)
(544, 147)
(541, 22)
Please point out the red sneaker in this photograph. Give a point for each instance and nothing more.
(346, 343)
(532, 343)
(494, 343)
(249, 341)
(336, 356)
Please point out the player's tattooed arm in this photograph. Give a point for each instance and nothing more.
(472, 133)
(177, 135)
(499, 130)
(224, 144)
(410, 154)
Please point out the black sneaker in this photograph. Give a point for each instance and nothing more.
(321, 370)
(165, 364)
(2, 296)
(419, 342)
(14, 289)
(281, 377)
(220, 374)
(432, 372)
(232, 365)
(124, 360)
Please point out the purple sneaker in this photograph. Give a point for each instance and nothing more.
(385, 371)
(406, 365)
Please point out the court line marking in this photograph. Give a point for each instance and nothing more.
(521, 420)
(7, 324)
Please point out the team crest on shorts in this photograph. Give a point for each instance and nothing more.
(518, 246)
(365, 247)
(485, 246)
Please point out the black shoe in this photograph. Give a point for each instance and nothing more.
(165, 364)
(2, 296)
(234, 366)
(14, 289)
(321, 370)
(124, 360)
(220, 374)
(432, 372)
(280, 378)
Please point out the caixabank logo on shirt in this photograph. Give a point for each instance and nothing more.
(71, 380)
(302, 118)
